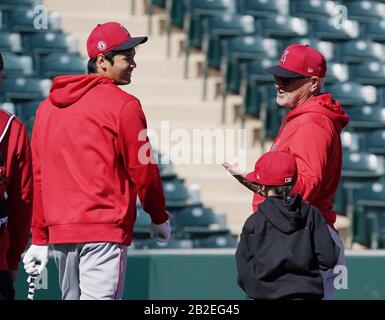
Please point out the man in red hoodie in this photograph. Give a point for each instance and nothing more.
(311, 132)
(15, 197)
(91, 159)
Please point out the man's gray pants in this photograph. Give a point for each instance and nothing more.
(328, 276)
(91, 271)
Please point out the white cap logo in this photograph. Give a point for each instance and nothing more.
(284, 54)
(310, 70)
(288, 180)
(102, 46)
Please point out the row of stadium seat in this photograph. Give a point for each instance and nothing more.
(31, 60)
(39, 43)
(241, 38)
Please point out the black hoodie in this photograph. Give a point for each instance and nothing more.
(282, 248)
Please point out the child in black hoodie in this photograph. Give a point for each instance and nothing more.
(286, 242)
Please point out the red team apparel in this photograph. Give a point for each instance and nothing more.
(85, 146)
(310, 132)
(16, 181)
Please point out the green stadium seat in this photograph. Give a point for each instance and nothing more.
(26, 111)
(253, 78)
(12, 5)
(150, 5)
(326, 30)
(357, 51)
(176, 193)
(159, 3)
(172, 244)
(350, 141)
(19, 88)
(217, 242)
(196, 218)
(15, 65)
(366, 118)
(197, 11)
(237, 51)
(217, 29)
(25, 21)
(47, 42)
(312, 10)
(371, 73)
(375, 141)
(337, 72)
(8, 106)
(358, 168)
(352, 93)
(263, 8)
(10, 42)
(224, 27)
(56, 64)
(282, 27)
(365, 11)
(273, 114)
(142, 224)
(369, 216)
(375, 31)
(175, 11)
(166, 168)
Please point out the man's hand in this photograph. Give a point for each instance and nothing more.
(35, 259)
(233, 169)
(160, 232)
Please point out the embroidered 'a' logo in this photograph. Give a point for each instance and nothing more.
(284, 54)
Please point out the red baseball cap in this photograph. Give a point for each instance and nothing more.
(111, 36)
(298, 61)
(274, 168)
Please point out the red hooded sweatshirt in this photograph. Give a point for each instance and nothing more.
(16, 181)
(91, 158)
(311, 132)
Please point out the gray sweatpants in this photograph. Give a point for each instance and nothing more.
(91, 271)
(329, 275)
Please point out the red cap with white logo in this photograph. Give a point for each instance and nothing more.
(274, 168)
(298, 61)
(111, 36)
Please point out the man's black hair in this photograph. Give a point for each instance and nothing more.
(109, 56)
(91, 66)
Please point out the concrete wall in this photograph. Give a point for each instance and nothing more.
(209, 274)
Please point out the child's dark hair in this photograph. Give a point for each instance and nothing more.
(280, 191)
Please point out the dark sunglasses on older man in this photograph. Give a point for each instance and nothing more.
(286, 81)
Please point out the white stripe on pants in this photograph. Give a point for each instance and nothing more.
(328, 276)
(91, 271)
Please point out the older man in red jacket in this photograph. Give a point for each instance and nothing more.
(15, 197)
(311, 133)
(91, 158)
